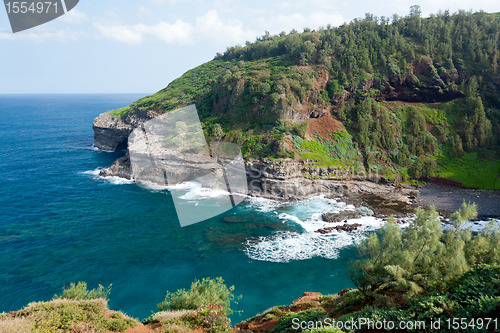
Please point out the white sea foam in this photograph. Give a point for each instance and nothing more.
(94, 148)
(264, 205)
(288, 246)
(112, 180)
(476, 226)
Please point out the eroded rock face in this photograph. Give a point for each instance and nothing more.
(287, 180)
(296, 179)
(111, 133)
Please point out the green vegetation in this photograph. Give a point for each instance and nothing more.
(285, 323)
(120, 112)
(248, 94)
(206, 305)
(119, 323)
(423, 255)
(472, 171)
(80, 292)
(424, 273)
(64, 315)
(202, 294)
(211, 319)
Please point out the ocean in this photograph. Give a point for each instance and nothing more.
(61, 223)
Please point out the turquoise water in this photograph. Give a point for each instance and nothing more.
(61, 223)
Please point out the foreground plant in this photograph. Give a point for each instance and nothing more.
(423, 255)
(63, 315)
(80, 292)
(203, 293)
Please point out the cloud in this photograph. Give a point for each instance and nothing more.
(179, 32)
(74, 16)
(209, 27)
(127, 34)
(144, 11)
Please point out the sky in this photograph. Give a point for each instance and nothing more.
(133, 46)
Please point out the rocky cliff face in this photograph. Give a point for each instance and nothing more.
(111, 133)
(294, 180)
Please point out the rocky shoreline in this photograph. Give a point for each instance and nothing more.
(448, 200)
(290, 180)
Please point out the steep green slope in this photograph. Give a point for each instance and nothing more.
(444, 68)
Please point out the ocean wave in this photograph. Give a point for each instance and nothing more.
(264, 205)
(288, 246)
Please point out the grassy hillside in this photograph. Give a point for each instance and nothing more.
(409, 96)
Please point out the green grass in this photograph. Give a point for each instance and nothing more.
(323, 161)
(471, 172)
(120, 112)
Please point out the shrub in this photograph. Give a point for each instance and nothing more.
(163, 316)
(119, 323)
(476, 294)
(80, 292)
(202, 294)
(286, 323)
(287, 153)
(176, 326)
(212, 319)
(300, 129)
(412, 259)
(61, 316)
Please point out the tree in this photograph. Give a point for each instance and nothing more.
(422, 255)
(415, 11)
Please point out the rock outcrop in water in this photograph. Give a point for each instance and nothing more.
(346, 227)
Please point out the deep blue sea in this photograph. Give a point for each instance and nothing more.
(61, 223)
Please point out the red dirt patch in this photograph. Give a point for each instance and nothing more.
(307, 298)
(257, 327)
(324, 126)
